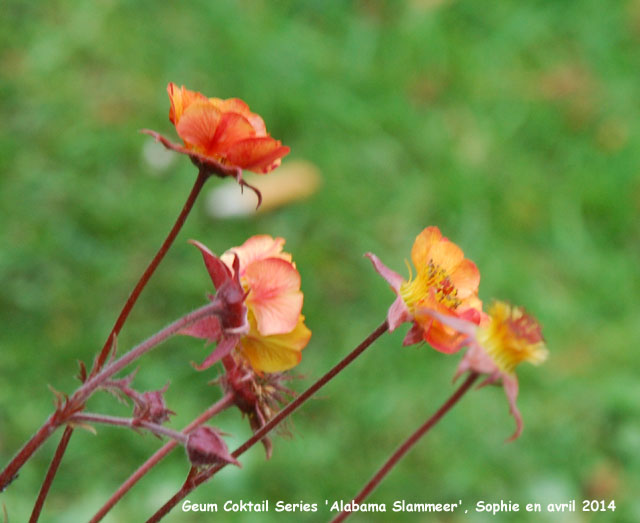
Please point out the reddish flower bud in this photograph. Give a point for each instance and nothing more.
(205, 447)
(150, 406)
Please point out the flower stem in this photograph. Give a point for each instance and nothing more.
(76, 401)
(408, 444)
(132, 423)
(89, 386)
(224, 402)
(194, 480)
(51, 472)
(115, 330)
(153, 265)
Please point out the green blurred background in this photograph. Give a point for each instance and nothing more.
(513, 126)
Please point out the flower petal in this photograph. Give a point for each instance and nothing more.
(181, 98)
(465, 278)
(476, 360)
(235, 105)
(259, 154)
(259, 247)
(446, 255)
(218, 271)
(398, 314)
(471, 310)
(510, 384)
(232, 128)
(463, 323)
(274, 295)
(444, 338)
(421, 250)
(391, 277)
(414, 335)
(278, 352)
(198, 126)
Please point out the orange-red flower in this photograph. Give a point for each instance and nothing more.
(224, 131)
(445, 282)
(221, 137)
(506, 337)
(274, 333)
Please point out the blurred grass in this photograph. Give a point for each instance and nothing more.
(514, 128)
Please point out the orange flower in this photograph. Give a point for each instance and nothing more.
(225, 131)
(221, 137)
(445, 282)
(506, 337)
(274, 333)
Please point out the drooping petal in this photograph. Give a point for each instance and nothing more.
(207, 328)
(414, 335)
(465, 278)
(225, 346)
(259, 247)
(462, 323)
(510, 384)
(259, 154)
(218, 271)
(275, 353)
(421, 250)
(398, 314)
(198, 125)
(475, 359)
(274, 296)
(391, 277)
(181, 98)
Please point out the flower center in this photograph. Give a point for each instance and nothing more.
(513, 336)
(431, 280)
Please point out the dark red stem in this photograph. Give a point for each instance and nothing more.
(124, 314)
(11, 470)
(408, 444)
(194, 480)
(142, 282)
(51, 472)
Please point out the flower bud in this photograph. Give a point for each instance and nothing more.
(205, 447)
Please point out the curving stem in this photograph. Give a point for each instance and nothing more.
(408, 445)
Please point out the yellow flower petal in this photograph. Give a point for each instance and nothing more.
(274, 353)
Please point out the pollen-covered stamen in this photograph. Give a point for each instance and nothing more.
(431, 277)
(512, 337)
